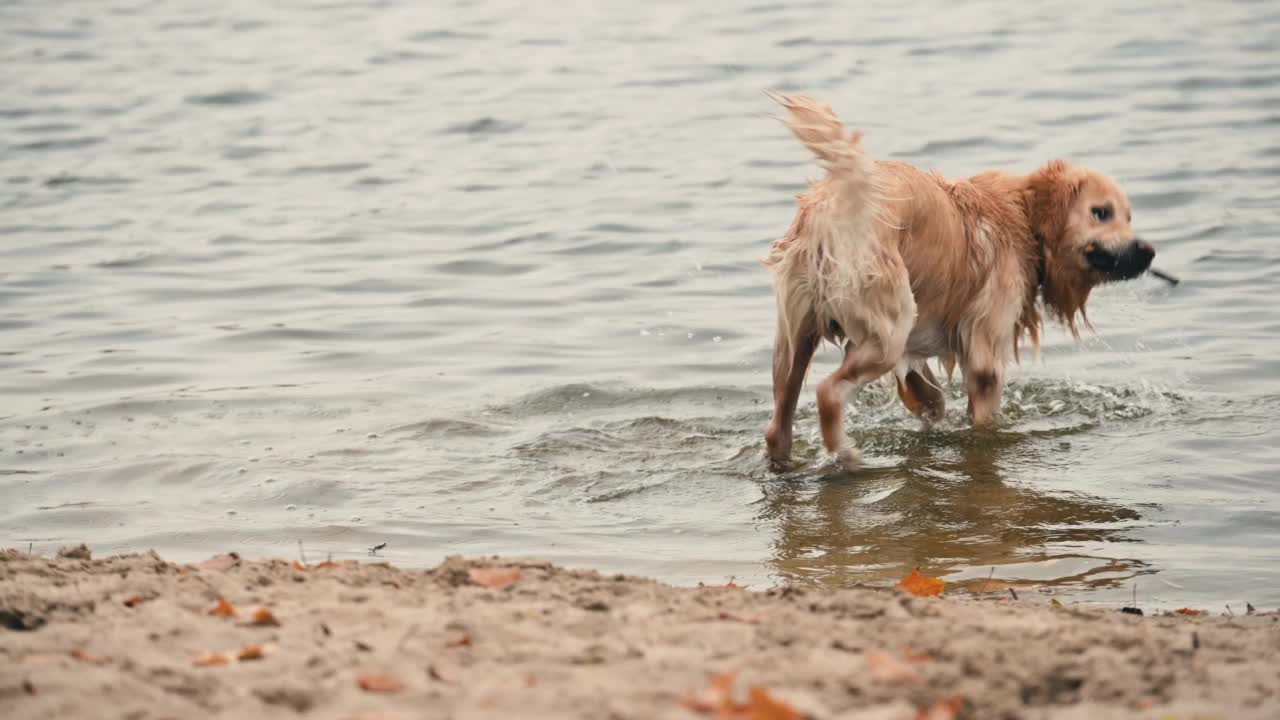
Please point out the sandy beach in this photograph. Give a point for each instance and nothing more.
(135, 636)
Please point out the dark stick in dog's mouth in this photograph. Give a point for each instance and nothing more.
(1164, 276)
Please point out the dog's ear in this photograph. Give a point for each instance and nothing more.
(1049, 195)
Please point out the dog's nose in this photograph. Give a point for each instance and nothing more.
(1140, 255)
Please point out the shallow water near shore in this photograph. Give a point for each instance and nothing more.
(483, 277)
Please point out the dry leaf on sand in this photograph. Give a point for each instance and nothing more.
(379, 682)
(297, 565)
(251, 652)
(494, 577)
(212, 659)
(1188, 611)
(718, 700)
(914, 656)
(919, 585)
(85, 656)
(763, 706)
(246, 653)
(887, 668)
(223, 609)
(464, 641)
(262, 617)
(134, 601)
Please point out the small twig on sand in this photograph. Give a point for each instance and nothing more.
(1014, 594)
(1249, 609)
(1133, 609)
(1229, 613)
(1164, 276)
(302, 553)
(1195, 641)
(30, 545)
(374, 550)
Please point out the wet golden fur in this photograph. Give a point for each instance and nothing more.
(903, 265)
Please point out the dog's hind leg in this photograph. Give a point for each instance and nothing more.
(791, 358)
(921, 393)
(861, 365)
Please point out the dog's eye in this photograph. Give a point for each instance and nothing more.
(1102, 213)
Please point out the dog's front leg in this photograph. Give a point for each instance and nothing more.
(984, 383)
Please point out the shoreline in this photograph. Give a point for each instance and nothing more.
(132, 636)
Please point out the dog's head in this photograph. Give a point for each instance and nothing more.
(1082, 220)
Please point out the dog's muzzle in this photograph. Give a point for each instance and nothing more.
(1124, 263)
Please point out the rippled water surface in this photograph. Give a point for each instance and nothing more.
(482, 277)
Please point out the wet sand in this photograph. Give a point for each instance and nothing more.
(132, 637)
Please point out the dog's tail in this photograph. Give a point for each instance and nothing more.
(830, 255)
(816, 126)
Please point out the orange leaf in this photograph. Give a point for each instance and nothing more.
(913, 656)
(211, 659)
(1188, 611)
(251, 652)
(494, 577)
(379, 682)
(942, 710)
(763, 706)
(134, 601)
(718, 699)
(262, 617)
(919, 585)
(298, 565)
(887, 668)
(223, 609)
(220, 562)
(464, 641)
(85, 656)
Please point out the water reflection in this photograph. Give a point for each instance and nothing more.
(941, 501)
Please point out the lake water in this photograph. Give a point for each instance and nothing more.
(483, 277)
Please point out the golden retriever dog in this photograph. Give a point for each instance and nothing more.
(900, 265)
